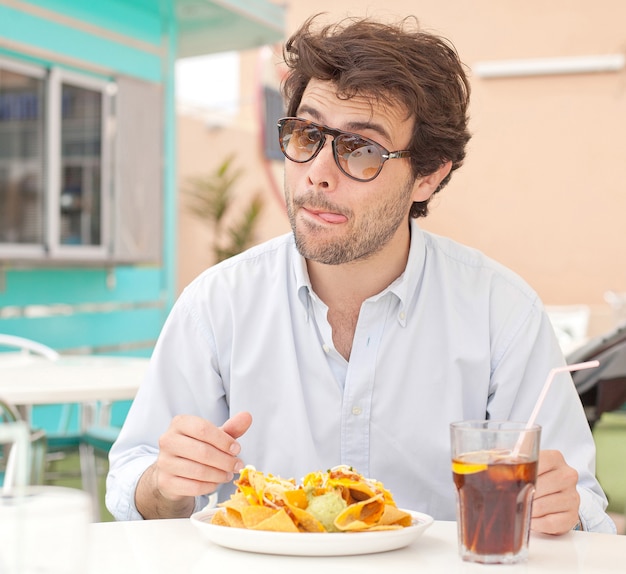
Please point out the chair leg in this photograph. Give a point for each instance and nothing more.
(39, 448)
(89, 473)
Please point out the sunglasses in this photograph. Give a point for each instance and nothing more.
(359, 158)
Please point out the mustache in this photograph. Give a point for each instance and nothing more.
(320, 202)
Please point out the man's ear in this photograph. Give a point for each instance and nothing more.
(426, 186)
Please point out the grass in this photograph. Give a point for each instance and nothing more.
(610, 437)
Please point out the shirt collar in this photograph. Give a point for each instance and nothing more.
(403, 287)
(303, 282)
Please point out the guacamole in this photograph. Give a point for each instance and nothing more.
(326, 507)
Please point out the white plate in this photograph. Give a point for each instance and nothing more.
(309, 543)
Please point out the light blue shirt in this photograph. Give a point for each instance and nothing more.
(457, 336)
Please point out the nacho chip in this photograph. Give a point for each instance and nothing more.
(237, 501)
(305, 521)
(262, 489)
(354, 526)
(394, 516)
(219, 518)
(353, 485)
(296, 498)
(363, 514)
(234, 519)
(279, 522)
(253, 515)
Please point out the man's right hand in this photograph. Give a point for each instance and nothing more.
(195, 457)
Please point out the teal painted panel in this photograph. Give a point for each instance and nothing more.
(57, 420)
(119, 411)
(63, 420)
(138, 19)
(85, 330)
(170, 202)
(139, 283)
(25, 28)
(79, 285)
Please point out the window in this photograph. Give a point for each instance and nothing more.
(80, 170)
(22, 119)
(56, 163)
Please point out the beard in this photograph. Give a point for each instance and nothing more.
(360, 238)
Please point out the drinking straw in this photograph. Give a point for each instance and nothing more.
(544, 392)
(546, 385)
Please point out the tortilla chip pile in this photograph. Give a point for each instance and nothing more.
(339, 500)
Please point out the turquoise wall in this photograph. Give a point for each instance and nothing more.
(138, 19)
(124, 36)
(117, 309)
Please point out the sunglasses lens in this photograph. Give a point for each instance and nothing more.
(299, 140)
(358, 157)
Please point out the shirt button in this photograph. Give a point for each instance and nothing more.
(356, 411)
(326, 348)
(401, 316)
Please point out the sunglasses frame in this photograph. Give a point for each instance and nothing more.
(335, 133)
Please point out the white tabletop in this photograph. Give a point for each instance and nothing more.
(167, 546)
(33, 380)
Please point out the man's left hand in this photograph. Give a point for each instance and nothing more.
(556, 501)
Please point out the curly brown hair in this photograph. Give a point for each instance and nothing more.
(389, 63)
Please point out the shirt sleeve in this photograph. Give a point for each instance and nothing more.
(592, 515)
(182, 378)
(527, 357)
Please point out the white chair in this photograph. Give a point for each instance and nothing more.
(11, 416)
(24, 461)
(27, 346)
(59, 440)
(14, 438)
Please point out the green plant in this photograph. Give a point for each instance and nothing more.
(212, 199)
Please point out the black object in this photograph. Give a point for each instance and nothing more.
(602, 389)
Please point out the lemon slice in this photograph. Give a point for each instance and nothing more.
(465, 468)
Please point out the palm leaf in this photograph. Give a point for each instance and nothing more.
(212, 197)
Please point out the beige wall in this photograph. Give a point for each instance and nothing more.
(201, 148)
(543, 186)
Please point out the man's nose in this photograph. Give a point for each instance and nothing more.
(323, 169)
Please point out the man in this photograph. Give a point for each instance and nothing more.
(358, 338)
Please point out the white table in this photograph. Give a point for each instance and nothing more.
(167, 546)
(94, 381)
(27, 380)
(32, 380)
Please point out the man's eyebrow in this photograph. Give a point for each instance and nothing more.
(310, 111)
(354, 126)
(362, 126)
